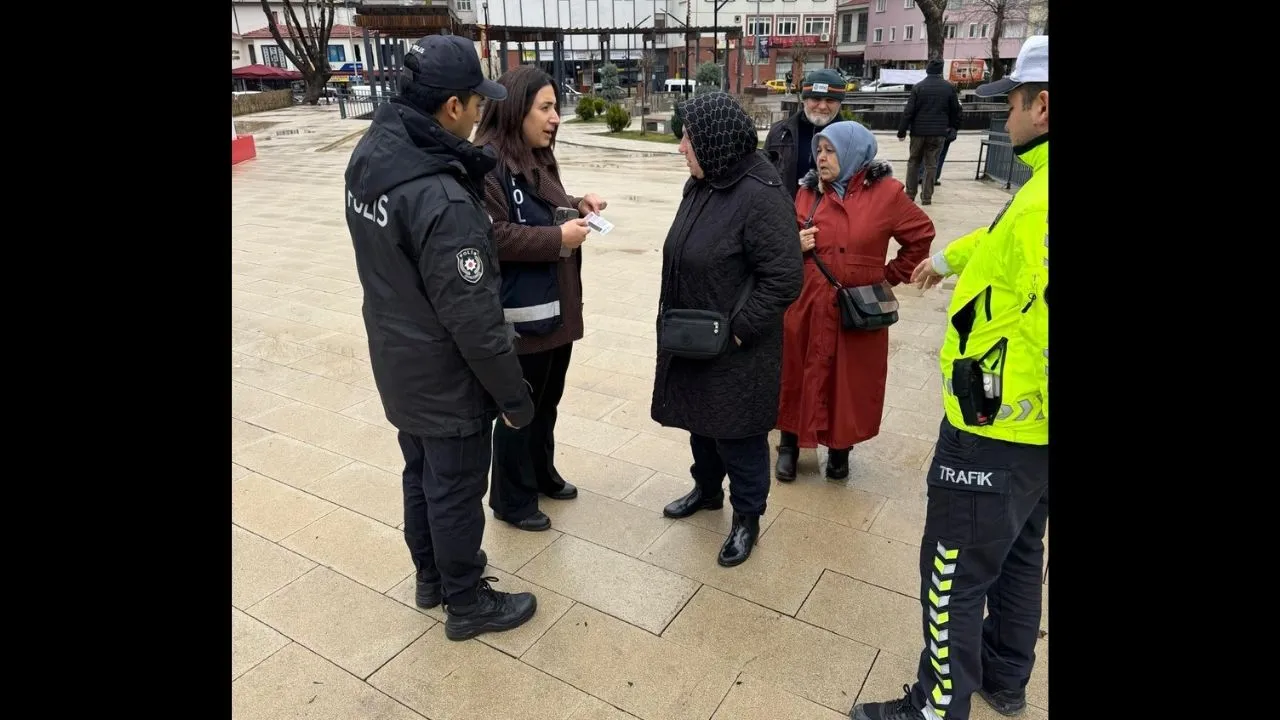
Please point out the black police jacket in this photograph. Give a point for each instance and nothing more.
(441, 351)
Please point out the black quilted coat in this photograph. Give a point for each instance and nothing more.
(736, 220)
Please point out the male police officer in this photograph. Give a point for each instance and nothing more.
(441, 353)
(789, 143)
(989, 481)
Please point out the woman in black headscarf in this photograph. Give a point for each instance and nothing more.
(730, 265)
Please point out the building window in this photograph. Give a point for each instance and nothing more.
(862, 27)
(760, 25)
(846, 28)
(1015, 30)
(253, 56)
(908, 32)
(357, 49)
(985, 28)
(949, 31)
(893, 34)
(878, 35)
(907, 5)
(464, 5)
(973, 30)
(879, 5)
(788, 24)
(337, 54)
(273, 56)
(817, 25)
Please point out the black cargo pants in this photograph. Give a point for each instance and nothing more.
(444, 483)
(983, 541)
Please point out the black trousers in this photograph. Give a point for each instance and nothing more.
(444, 482)
(745, 461)
(524, 459)
(983, 541)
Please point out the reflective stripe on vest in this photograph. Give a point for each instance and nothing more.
(1023, 407)
(545, 311)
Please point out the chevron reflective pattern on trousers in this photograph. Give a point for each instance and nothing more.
(944, 566)
(1023, 408)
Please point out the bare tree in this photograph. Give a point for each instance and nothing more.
(1000, 14)
(308, 45)
(646, 70)
(933, 12)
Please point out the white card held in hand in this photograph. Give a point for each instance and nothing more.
(599, 224)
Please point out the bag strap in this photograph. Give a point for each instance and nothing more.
(821, 266)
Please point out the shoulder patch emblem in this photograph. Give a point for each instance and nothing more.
(470, 265)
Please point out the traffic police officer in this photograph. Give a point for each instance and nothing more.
(989, 480)
(441, 351)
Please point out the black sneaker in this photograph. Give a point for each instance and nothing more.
(492, 611)
(428, 593)
(892, 710)
(1009, 703)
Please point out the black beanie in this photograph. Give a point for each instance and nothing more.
(935, 67)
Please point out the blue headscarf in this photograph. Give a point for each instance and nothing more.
(855, 149)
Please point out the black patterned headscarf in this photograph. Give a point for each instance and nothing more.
(721, 132)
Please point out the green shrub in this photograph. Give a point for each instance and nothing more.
(677, 122)
(617, 117)
(601, 104)
(586, 109)
(847, 114)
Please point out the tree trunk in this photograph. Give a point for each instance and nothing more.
(315, 83)
(932, 11)
(997, 34)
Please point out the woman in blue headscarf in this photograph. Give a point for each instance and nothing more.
(848, 208)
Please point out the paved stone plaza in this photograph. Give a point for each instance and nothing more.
(635, 618)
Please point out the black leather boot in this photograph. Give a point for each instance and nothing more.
(742, 537)
(838, 464)
(428, 595)
(492, 611)
(788, 451)
(692, 503)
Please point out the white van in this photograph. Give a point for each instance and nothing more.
(679, 84)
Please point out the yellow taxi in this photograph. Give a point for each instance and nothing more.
(777, 85)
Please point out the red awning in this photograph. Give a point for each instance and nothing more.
(265, 72)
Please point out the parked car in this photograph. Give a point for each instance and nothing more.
(875, 86)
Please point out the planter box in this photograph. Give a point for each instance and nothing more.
(242, 148)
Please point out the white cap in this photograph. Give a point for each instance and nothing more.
(1032, 65)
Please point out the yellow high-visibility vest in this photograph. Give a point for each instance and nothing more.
(1003, 275)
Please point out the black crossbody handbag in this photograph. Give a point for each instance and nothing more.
(866, 307)
(698, 334)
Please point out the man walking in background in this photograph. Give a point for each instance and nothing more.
(931, 115)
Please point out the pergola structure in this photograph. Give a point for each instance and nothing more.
(400, 22)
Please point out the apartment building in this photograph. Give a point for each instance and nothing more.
(897, 37)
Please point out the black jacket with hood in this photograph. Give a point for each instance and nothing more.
(441, 351)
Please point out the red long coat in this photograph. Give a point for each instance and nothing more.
(833, 379)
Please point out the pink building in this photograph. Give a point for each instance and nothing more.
(896, 35)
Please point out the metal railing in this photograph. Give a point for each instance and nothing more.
(997, 161)
(359, 107)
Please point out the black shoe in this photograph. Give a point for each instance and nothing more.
(1009, 703)
(838, 464)
(937, 183)
(692, 503)
(892, 710)
(926, 202)
(492, 611)
(568, 492)
(428, 594)
(742, 537)
(788, 451)
(537, 522)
